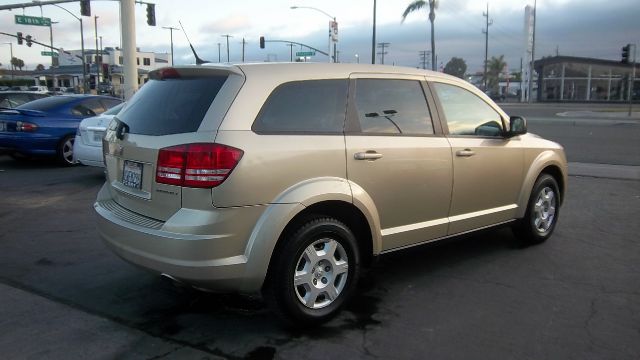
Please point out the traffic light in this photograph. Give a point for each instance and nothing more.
(28, 38)
(19, 33)
(261, 42)
(625, 53)
(85, 8)
(151, 14)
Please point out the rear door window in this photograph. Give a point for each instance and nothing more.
(310, 106)
(390, 106)
(171, 106)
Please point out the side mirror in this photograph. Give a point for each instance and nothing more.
(517, 126)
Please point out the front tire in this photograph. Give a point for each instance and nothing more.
(314, 272)
(542, 213)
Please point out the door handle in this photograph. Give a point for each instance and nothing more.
(465, 153)
(368, 155)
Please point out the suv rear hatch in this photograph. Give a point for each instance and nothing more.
(178, 106)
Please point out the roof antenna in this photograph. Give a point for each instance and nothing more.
(198, 60)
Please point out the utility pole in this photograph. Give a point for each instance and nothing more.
(227, 36)
(373, 37)
(424, 58)
(243, 44)
(382, 52)
(533, 50)
(219, 52)
(53, 63)
(521, 79)
(171, 35)
(485, 31)
(97, 54)
(290, 45)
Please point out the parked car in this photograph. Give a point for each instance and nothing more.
(12, 99)
(287, 179)
(87, 147)
(38, 89)
(57, 90)
(47, 127)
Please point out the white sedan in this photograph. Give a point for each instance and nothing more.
(87, 147)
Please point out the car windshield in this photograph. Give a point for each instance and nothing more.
(46, 104)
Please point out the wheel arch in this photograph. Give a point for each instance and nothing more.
(548, 162)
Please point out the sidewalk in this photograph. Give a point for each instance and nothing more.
(625, 172)
(618, 115)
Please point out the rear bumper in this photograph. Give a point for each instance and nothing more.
(212, 261)
(87, 154)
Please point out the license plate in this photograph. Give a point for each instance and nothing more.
(132, 174)
(3, 126)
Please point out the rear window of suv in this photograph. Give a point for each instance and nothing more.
(170, 106)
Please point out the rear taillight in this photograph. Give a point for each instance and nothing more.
(25, 126)
(201, 165)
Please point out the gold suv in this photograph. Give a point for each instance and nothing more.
(286, 179)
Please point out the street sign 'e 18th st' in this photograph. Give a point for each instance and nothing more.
(49, 53)
(32, 20)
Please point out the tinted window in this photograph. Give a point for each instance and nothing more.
(316, 106)
(109, 103)
(114, 110)
(392, 107)
(466, 113)
(88, 107)
(170, 106)
(48, 103)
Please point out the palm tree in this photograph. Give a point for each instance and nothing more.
(417, 5)
(495, 66)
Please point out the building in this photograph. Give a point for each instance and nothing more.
(568, 78)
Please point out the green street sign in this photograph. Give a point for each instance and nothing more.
(306, 53)
(32, 20)
(49, 53)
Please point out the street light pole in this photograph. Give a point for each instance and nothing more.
(373, 38)
(51, 40)
(171, 35)
(330, 35)
(84, 66)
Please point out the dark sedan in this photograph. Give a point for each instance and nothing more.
(47, 127)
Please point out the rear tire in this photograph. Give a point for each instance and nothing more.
(314, 272)
(65, 151)
(542, 213)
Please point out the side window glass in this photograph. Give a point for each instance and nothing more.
(314, 106)
(466, 113)
(89, 107)
(392, 107)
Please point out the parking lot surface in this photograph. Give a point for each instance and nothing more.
(64, 295)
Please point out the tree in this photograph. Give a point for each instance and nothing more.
(456, 67)
(495, 66)
(40, 67)
(19, 63)
(417, 5)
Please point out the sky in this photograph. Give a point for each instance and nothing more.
(585, 28)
